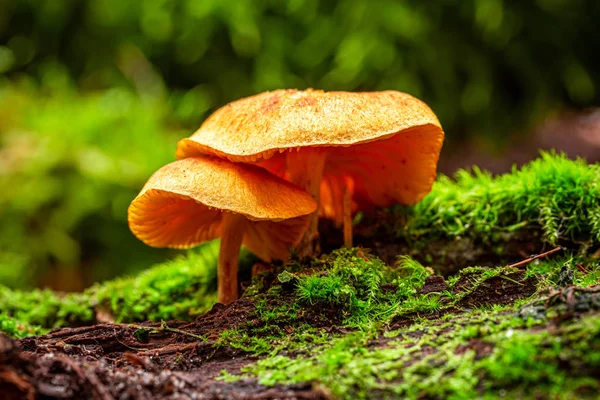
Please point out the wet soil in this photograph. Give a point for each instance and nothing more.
(146, 361)
(445, 255)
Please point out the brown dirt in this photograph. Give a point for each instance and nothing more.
(434, 284)
(503, 289)
(128, 362)
(445, 255)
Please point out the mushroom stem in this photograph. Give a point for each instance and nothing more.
(232, 233)
(305, 169)
(347, 218)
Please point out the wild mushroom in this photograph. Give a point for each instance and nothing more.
(373, 149)
(194, 200)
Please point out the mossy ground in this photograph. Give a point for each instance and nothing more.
(178, 289)
(354, 327)
(482, 336)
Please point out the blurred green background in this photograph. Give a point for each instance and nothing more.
(94, 95)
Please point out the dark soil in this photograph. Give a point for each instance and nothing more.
(445, 255)
(434, 284)
(502, 289)
(132, 362)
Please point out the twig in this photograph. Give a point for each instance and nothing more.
(510, 279)
(582, 269)
(535, 257)
(166, 328)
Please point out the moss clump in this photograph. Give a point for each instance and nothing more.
(479, 219)
(296, 308)
(17, 329)
(45, 308)
(353, 290)
(177, 289)
(359, 287)
(558, 196)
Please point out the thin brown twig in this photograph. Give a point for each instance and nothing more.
(535, 257)
(166, 328)
(581, 268)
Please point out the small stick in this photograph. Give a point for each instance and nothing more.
(582, 269)
(535, 257)
(166, 328)
(347, 209)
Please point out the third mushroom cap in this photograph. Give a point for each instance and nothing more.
(376, 148)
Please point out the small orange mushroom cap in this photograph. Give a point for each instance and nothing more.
(182, 203)
(384, 146)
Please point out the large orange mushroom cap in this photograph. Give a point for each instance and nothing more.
(384, 146)
(182, 205)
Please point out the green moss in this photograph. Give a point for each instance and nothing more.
(361, 287)
(459, 355)
(12, 327)
(477, 218)
(558, 196)
(495, 354)
(45, 308)
(177, 289)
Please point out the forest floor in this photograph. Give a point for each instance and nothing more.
(443, 300)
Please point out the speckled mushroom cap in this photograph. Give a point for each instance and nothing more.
(182, 203)
(385, 145)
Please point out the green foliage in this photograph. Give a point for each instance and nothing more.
(177, 289)
(70, 164)
(484, 66)
(558, 197)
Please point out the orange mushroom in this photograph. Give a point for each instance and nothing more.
(374, 149)
(194, 200)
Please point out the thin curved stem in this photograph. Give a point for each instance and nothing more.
(347, 206)
(233, 227)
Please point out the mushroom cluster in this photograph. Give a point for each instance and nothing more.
(350, 151)
(261, 170)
